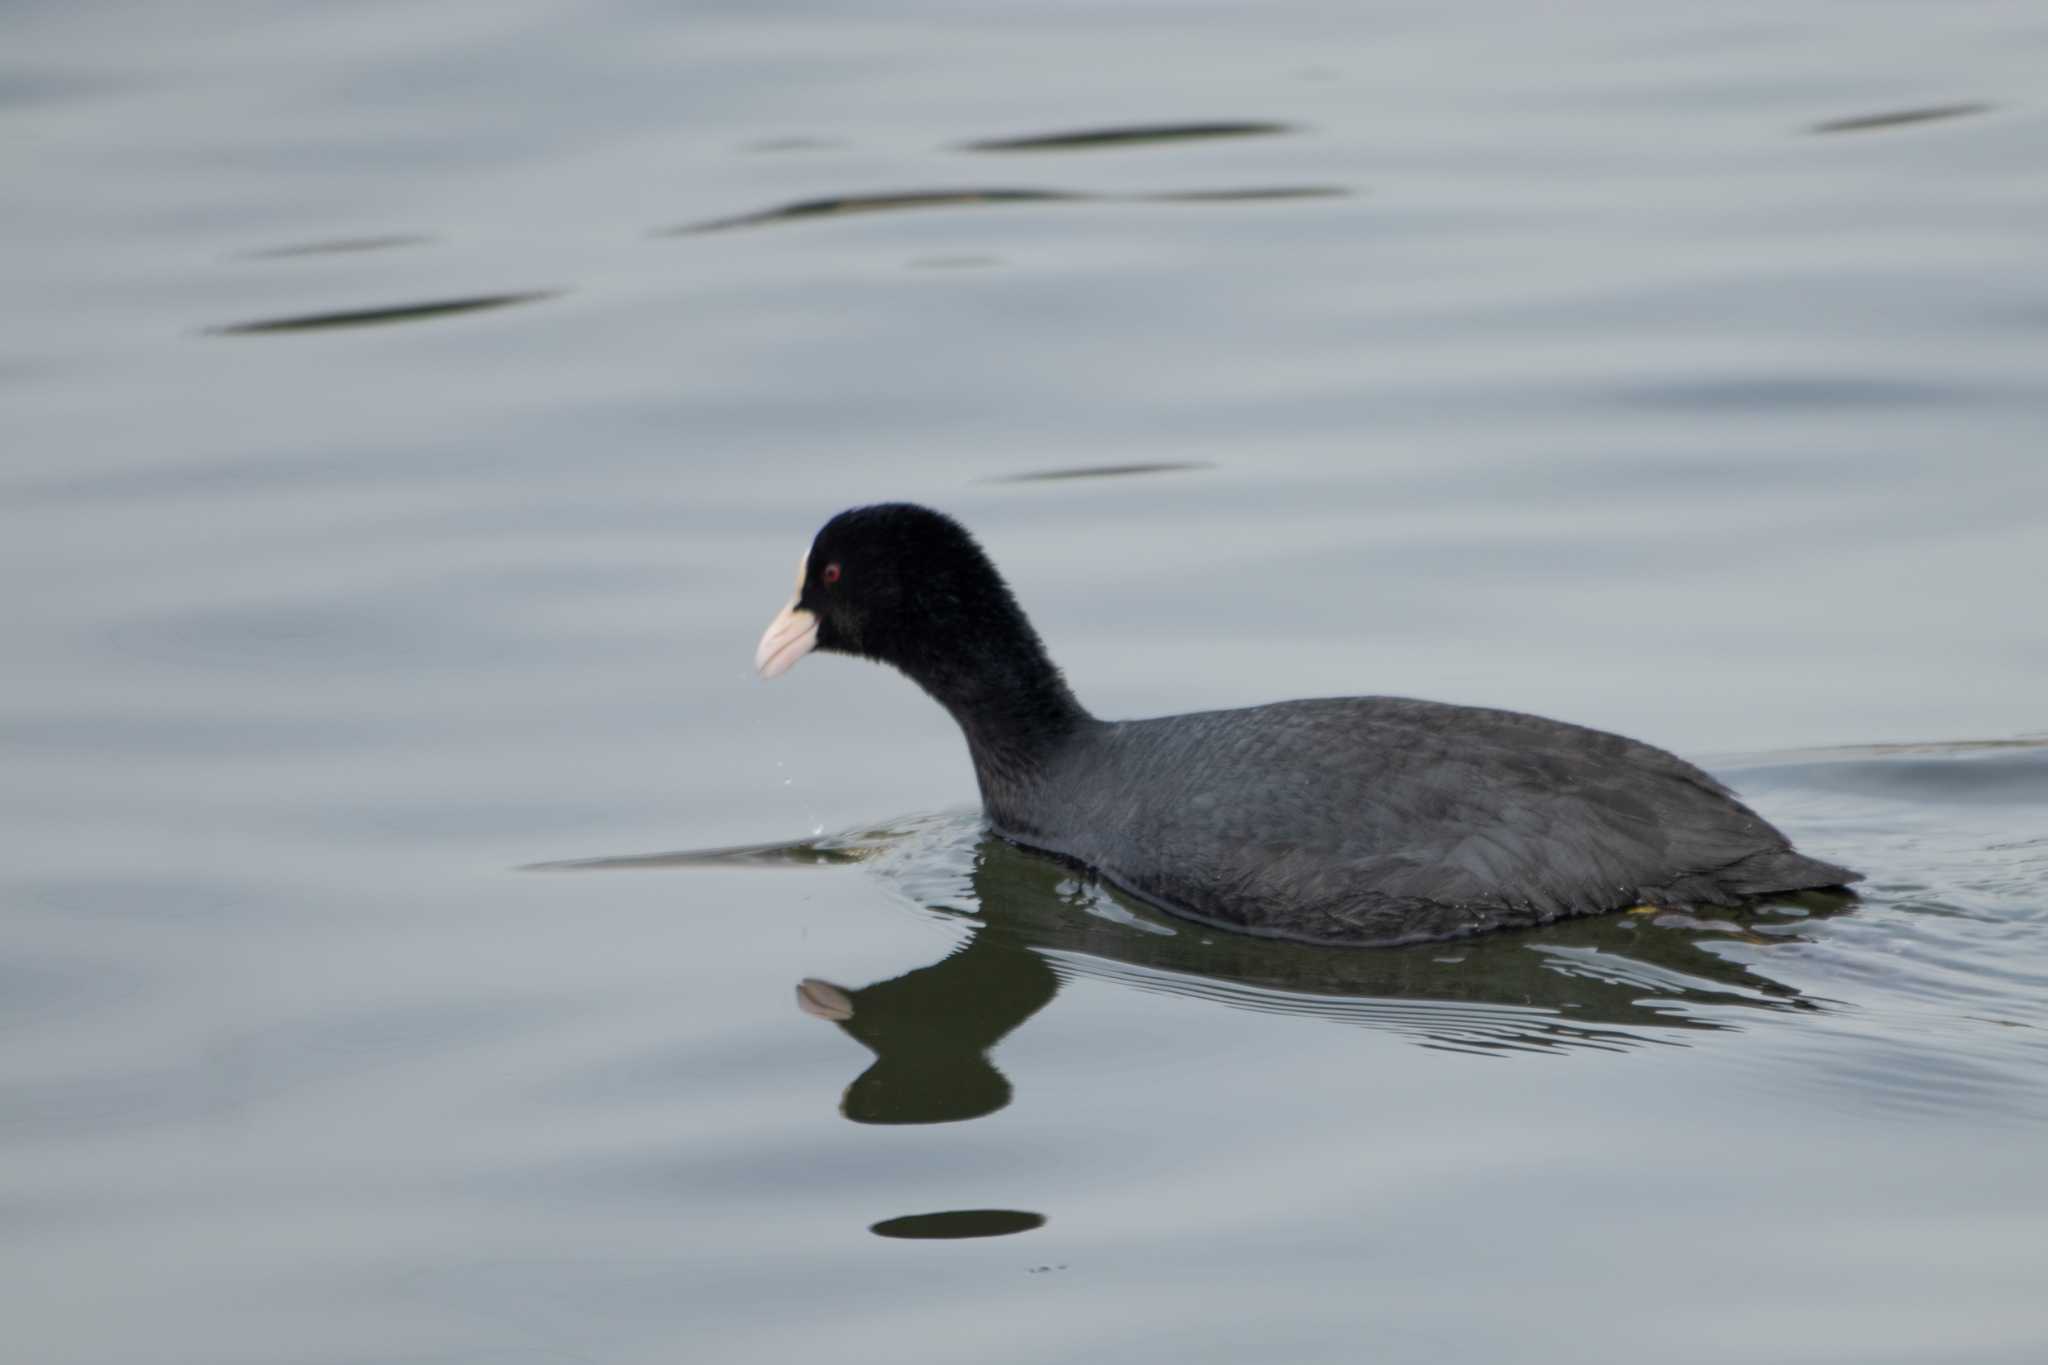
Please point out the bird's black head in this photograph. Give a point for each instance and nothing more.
(909, 587)
(895, 582)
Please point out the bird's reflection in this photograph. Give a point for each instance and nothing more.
(931, 1030)
(1607, 983)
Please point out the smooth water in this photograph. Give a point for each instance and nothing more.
(413, 414)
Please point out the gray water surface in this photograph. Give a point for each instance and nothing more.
(422, 938)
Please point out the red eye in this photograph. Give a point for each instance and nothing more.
(831, 574)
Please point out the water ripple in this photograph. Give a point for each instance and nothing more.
(836, 206)
(1898, 118)
(1103, 471)
(1087, 139)
(379, 316)
(334, 247)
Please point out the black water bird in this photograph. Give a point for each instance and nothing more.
(1360, 821)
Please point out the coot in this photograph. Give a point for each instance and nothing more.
(1365, 821)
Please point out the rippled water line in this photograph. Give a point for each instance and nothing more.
(1452, 1025)
(335, 247)
(381, 316)
(1899, 118)
(1089, 139)
(838, 206)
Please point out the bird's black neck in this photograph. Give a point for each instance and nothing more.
(1009, 699)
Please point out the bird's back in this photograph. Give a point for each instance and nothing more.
(1375, 820)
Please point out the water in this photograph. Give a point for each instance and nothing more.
(401, 468)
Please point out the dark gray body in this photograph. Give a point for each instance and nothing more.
(1383, 820)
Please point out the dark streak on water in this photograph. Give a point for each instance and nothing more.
(1103, 471)
(953, 1224)
(337, 246)
(842, 205)
(836, 205)
(377, 317)
(1245, 196)
(1899, 118)
(1088, 139)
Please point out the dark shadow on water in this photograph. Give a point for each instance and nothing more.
(377, 317)
(337, 247)
(1090, 139)
(839, 206)
(1898, 118)
(953, 1224)
(1101, 471)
